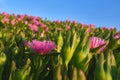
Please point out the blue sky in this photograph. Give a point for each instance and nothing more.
(99, 12)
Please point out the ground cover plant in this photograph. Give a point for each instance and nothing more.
(35, 49)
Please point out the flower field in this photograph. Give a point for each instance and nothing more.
(35, 49)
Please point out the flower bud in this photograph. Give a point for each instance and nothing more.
(66, 56)
(99, 73)
(59, 42)
(3, 58)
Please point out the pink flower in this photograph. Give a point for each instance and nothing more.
(67, 27)
(67, 20)
(59, 29)
(84, 25)
(35, 22)
(46, 29)
(33, 27)
(116, 36)
(89, 30)
(38, 18)
(6, 20)
(5, 14)
(20, 17)
(58, 21)
(13, 22)
(42, 47)
(74, 21)
(15, 16)
(105, 28)
(92, 25)
(96, 42)
(112, 28)
(42, 24)
(26, 22)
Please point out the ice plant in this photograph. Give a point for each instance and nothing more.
(82, 55)
(99, 73)
(59, 42)
(3, 60)
(70, 44)
(41, 24)
(79, 47)
(67, 20)
(20, 17)
(116, 36)
(58, 21)
(42, 47)
(116, 42)
(74, 21)
(105, 28)
(6, 20)
(35, 22)
(92, 25)
(13, 22)
(67, 27)
(46, 29)
(112, 28)
(5, 14)
(33, 27)
(96, 42)
(84, 25)
(59, 29)
(26, 69)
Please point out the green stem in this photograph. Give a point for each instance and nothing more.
(36, 76)
(64, 72)
(1, 71)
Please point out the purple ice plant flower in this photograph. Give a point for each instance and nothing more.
(46, 29)
(41, 24)
(58, 21)
(67, 27)
(42, 47)
(5, 14)
(35, 22)
(59, 29)
(96, 42)
(5, 20)
(33, 27)
(13, 22)
(89, 30)
(105, 28)
(84, 25)
(92, 26)
(74, 21)
(112, 28)
(20, 17)
(116, 36)
(67, 20)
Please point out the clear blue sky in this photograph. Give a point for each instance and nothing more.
(100, 12)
